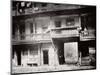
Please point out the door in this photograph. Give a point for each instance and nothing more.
(45, 57)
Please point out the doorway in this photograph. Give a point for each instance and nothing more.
(45, 57)
(61, 53)
(19, 57)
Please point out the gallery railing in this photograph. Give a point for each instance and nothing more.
(65, 32)
(31, 37)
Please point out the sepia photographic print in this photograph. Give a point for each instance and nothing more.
(52, 37)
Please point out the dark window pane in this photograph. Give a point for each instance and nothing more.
(25, 52)
(31, 27)
(58, 23)
(44, 5)
(70, 22)
(44, 28)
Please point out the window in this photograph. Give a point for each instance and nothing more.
(70, 21)
(58, 23)
(22, 31)
(34, 50)
(44, 28)
(25, 52)
(31, 27)
(56, 4)
(34, 4)
(44, 5)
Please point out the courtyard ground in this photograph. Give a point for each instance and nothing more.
(16, 70)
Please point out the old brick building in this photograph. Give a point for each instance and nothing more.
(52, 34)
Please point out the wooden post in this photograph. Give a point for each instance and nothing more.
(80, 58)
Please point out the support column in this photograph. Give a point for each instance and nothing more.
(52, 25)
(39, 55)
(55, 54)
(34, 26)
(79, 20)
(17, 33)
(56, 58)
(34, 30)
